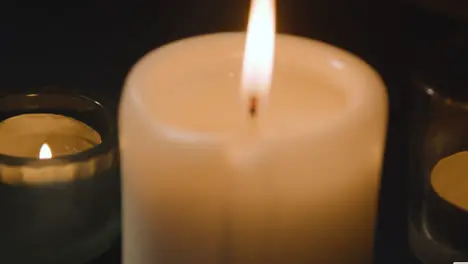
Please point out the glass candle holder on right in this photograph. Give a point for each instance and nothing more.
(438, 217)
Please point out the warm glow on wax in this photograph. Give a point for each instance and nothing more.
(259, 49)
(45, 152)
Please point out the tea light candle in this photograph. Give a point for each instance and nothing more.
(24, 135)
(447, 207)
(226, 159)
(59, 178)
(44, 136)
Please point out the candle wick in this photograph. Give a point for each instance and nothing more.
(253, 104)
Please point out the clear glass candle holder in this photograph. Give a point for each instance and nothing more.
(63, 207)
(438, 209)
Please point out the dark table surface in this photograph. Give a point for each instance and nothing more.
(90, 49)
(386, 254)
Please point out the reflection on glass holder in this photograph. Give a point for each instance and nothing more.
(438, 217)
(64, 208)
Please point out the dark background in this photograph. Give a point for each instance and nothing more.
(90, 49)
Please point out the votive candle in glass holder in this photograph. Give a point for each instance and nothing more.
(438, 216)
(59, 179)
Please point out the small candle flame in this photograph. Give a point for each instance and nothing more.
(45, 152)
(258, 63)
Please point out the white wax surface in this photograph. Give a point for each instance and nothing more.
(23, 135)
(203, 181)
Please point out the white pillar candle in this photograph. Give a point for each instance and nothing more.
(205, 182)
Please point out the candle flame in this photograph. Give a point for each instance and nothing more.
(258, 63)
(45, 152)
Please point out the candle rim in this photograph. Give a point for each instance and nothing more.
(169, 130)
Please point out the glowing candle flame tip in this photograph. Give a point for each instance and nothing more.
(45, 152)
